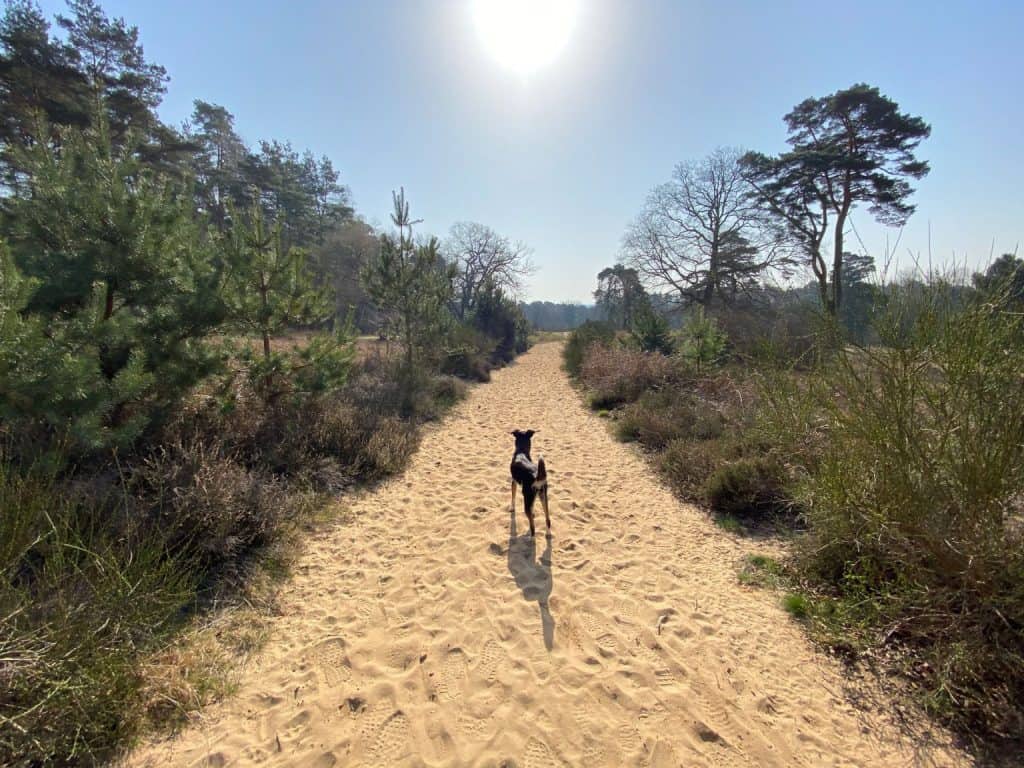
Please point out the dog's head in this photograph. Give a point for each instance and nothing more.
(523, 437)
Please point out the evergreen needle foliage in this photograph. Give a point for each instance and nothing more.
(110, 291)
(411, 283)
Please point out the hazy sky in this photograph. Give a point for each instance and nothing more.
(403, 93)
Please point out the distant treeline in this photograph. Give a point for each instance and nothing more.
(560, 316)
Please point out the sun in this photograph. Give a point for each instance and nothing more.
(525, 35)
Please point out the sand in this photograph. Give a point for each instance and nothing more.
(432, 631)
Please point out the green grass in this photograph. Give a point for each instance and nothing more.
(761, 571)
(797, 606)
(729, 524)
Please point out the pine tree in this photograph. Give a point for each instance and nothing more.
(853, 147)
(116, 290)
(411, 284)
(269, 290)
(701, 341)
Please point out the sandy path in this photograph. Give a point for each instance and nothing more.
(429, 633)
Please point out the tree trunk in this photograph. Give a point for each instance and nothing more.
(108, 306)
(837, 264)
(264, 329)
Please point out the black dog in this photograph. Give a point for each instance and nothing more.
(532, 478)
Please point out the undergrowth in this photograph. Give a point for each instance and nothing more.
(109, 572)
(896, 470)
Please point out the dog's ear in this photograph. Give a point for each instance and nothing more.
(515, 433)
(532, 432)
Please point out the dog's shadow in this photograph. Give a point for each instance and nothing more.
(532, 576)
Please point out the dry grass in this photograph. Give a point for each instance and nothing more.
(617, 374)
(367, 347)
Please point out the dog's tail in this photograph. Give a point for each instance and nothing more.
(542, 474)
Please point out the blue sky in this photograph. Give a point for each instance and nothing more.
(402, 92)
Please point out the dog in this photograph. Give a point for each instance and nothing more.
(532, 478)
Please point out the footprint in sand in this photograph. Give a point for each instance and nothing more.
(453, 675)
(294, 727)
(540, 755)
(627, 739)
(664, 676)
(391, 742)
(473, 728)
(600, 632)
(720, 727)
(626, 610)
(331, 661)
(491, 658)
(372, 719)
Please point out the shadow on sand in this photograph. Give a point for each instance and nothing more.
(532, 576)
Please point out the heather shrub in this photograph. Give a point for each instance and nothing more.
(617, 374)
(686, 464)
(657, 418)
(210, 507)
(746, 489)
(580, 340)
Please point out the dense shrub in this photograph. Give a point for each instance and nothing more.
(746, 488)
(500, 319)
(96, 572)
(469, 354)
(617, 374)
(211, 508)
(652, 333)
(914, 503)
(661, 416)
(580, 340)
(782, 335)
(106, 297)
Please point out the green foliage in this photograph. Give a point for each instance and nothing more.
(551, 316)
(853, 147)
(661, 416)
(1004, 278)
(268, 290)
(591, 332)
(747, 488)
(411, 284)
(81, 603)
(860, 297)
(761, 571)
(500, 318)
(116, 293)
(700, 342)
(620, 296)
(468, 354)
(912, 495)
(797, 606)
(652, 333)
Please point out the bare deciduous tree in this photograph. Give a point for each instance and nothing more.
(483, 257)
(700, 236)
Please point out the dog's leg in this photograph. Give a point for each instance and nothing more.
(544, 501)
(513, 497)
(528, 499)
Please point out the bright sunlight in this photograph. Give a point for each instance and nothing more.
(525, 35)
